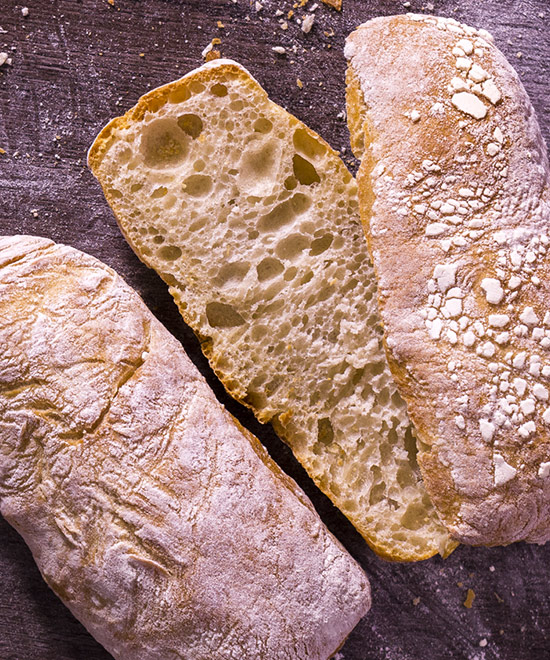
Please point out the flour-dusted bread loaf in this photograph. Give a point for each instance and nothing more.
(454, 196)
(160, 522)
(253, 221)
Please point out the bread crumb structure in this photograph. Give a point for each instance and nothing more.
(456, 211)
(253, 221)
(157, 519)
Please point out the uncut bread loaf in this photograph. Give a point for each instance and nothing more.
(161, 523)
(252, 220)
(454, 196)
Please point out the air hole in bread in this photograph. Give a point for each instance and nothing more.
(262, 125)
(196, 87)
(198, 224)
(320, 245)
(307, 277)
(377, 493)
(219, 90)
(159, 192)
(280, 216)
(307, 145)
(291, 246)
(237, 105)
(179, 94)
(259, 332)
(163, 144)
(114, 193)
(414, 517)
(136, 187)
(291, 182)
(258, 163)
(191, 124)
(256, 400)
(221, 315)
(325, 432)
(199, 165)
(158, 240)
(197, 185)
(169, 252)
(304, 171)
(235, 271)
(411, 448)
(269, 268)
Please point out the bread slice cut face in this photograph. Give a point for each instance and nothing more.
(453, 188)
(252, 220)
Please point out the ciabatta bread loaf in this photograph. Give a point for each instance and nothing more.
(252, 220)
(163, 525)
(454, 196)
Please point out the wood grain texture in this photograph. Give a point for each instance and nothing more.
(75, 65)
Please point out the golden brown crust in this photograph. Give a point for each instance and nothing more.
(454, 190)
(163, 525)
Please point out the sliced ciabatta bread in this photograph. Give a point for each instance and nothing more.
(252, 220)
(162, 524)
(454, 196)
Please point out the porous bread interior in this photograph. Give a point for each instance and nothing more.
(253, 222)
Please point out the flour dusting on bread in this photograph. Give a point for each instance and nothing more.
(463, 192)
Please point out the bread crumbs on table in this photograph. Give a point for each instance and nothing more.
(416, 601)
(299, 83)
(307, 23)
(335, 4)
(220, 25)
(470, 597)
(212, 55)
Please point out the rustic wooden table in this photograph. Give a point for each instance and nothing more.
(77, 63)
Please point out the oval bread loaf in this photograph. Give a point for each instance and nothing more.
(252, 220)
(454, 196)
(162, 524)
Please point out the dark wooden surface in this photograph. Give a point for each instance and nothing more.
(75, 65)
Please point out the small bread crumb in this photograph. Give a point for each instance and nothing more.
(335, 4)
(483, 642)
(220, 25)
(470, 597)
(307, 23)
(25, 10)
(416, 601)
(212, 55)
(2, 151)
(299, 83)
(281, 50)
